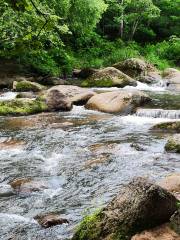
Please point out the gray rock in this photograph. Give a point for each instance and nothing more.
(77, 95)
(135, 67)
(57, 101)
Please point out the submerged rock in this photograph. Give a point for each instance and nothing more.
(123, 102)
(101, 159)
(168, 126)
(135, 67)
(173, 144)
(25, 86)
(77, 95)
(9, 143)
(27, 185)
(56, 101)
(140, 205)
(109, 77)
(22, 107)
(50, 219)
(137, 147)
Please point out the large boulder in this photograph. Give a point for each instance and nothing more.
(172, 78)
(168, 127)
(173, 144)
(123, 102)
(140, 205)
(22, 107)
(57, 101)
(109, 77)
(77, 95)
(25, 86)
(135, 67)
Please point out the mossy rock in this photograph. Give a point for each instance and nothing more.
(173, 144)
(108, 77)
(168, 127)
(88, 227)
(25, 86)
(22, 107)
(135, 67)
(139, 206)
(105, 82)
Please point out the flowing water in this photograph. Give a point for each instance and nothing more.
(83, 157)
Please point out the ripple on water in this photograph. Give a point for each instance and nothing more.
(84, 164)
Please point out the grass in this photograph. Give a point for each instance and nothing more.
(88, 228)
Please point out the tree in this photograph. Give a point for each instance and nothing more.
(84, 15)
(167, 23)
(139, 11)
(128, 15)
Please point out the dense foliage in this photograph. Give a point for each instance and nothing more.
(55, 36)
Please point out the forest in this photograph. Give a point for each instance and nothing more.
(54, 37)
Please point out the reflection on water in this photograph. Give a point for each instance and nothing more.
(83, 157)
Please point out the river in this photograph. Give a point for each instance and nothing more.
(84, 157)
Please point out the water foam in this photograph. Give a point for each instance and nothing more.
(7, 96)
(15, 218)
(143, 86)
(158, 113)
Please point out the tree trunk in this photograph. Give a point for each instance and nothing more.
(121, 28)
(134, 28)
